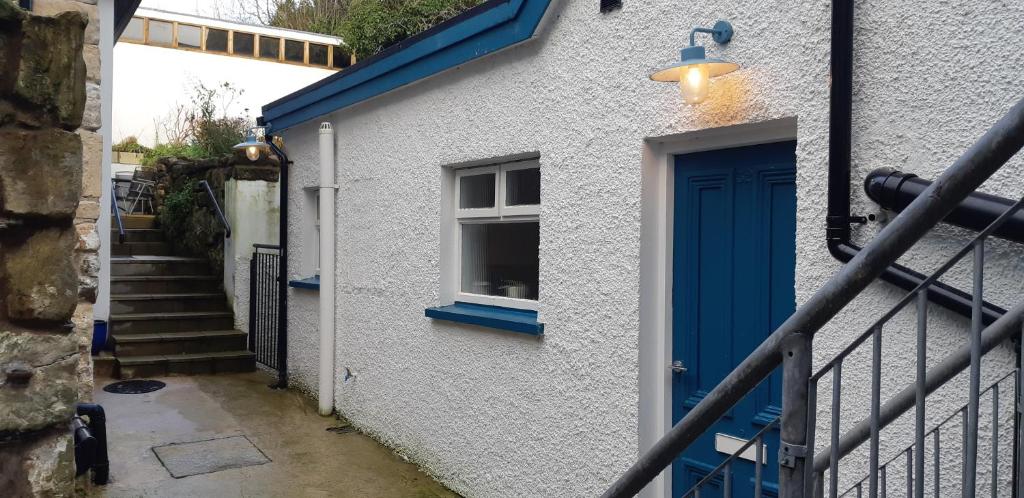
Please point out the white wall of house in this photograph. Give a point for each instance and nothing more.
(499, 414)
(152, 81)
(252, 208)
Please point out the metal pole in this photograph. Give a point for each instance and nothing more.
(282, 272)
(796, 371)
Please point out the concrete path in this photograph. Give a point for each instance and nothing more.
(305, 458)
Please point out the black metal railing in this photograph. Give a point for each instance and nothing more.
(116, 211)
(789, 346)
(216, 208)
(265, 337)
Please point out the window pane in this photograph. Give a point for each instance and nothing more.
(341, 58)
(477, 191)
(522, 187)
(270, 48)
(243, 44)
(216, 40)
(501, 259)
(161, 32)
(134, 29)
(318, 54)
(294, 51)
(189, 36)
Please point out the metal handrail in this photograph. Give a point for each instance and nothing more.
(790, 341)
(116, 211)
(216, 208)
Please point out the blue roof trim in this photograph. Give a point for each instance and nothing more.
(484, 29)
(306, 283)
(495, 317)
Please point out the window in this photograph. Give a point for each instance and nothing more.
(243, 44)
(342, 58)
(270, 48)
(497, 216)
(294, 51)
(216, 40)
(161, 33)
(189, 36)
(318, 54)
(135, 30)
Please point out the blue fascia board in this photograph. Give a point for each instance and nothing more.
(306, 283)
(495, 317)
(480, 31)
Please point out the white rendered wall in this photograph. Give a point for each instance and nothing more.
(496, 414)
(152, 81)
(252, 208)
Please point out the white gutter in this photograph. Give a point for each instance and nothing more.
(327, 273)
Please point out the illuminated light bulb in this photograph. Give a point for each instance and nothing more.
(694, 83)
(252, 152)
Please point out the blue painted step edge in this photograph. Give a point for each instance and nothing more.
(495, 317)
(306, 283)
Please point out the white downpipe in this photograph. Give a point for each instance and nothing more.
(327, 307)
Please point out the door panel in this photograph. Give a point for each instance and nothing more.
(733, 260)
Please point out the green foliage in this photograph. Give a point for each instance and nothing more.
(176, 213)
(373, 25)
(130, 144)
(187, 151)
(213, 134)
(203, 130)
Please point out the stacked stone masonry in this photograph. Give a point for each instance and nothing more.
(50, 160)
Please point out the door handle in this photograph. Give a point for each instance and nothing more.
(677, 367)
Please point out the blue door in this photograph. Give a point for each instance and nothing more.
(733, 264)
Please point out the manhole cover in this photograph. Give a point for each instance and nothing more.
(134, 386)
(213, 455)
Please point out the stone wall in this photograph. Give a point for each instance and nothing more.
(46, 236)
(87, 250)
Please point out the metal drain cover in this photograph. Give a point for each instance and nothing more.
(212, 455)
(134, 386)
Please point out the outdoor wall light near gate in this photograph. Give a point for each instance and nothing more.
(255, 145)
(695, 70)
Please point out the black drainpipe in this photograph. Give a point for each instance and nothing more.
(838, 219)
(282, 272)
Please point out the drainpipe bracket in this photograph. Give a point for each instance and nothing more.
(789, 453)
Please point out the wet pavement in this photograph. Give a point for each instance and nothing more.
(305, 459)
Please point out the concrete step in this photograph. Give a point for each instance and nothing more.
(157, 265)
(190, 342)
(188, 364)
(159, 284)
(137, 235)
(104, 365)
(141, 323)
(167, 302)
(140, 249)
(135, 221)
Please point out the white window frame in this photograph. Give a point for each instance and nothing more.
(497, 214)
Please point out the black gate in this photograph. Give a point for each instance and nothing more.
(265, 338)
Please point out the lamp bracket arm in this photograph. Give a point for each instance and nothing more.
(721, 33)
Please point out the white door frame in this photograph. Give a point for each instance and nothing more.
(657, 201)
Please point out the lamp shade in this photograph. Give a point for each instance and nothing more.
(692, 56)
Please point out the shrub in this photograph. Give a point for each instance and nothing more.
(186, 151)
(373, 25)
(130, 144)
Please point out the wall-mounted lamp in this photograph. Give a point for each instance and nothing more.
(255, 145)
(695, 70)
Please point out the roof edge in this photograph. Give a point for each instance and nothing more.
(480, 31)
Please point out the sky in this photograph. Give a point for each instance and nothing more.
(226, 9)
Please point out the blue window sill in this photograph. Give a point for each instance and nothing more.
(306, 283)
(495, 317)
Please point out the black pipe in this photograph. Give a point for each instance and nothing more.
(282, 271)
(894, 190)
(97, 426)
(838, 219)
(85, 446)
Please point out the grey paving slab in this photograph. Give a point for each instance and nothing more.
(211, 455)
